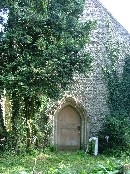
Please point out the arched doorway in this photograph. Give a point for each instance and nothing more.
(68, 129)
(70, 125)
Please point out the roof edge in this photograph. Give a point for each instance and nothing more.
(110, 14)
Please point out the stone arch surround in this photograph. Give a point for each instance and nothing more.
(83, 116)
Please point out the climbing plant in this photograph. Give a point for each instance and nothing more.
(115, 131)
(41, 46)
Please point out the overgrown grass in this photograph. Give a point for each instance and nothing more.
(60, 163)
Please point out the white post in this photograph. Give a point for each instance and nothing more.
(3, 100)
(95, 139)
(96, 146)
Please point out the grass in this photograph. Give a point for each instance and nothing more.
(60, 162)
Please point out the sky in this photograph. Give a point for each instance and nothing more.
(120, 10)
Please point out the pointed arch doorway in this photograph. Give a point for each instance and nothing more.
(70, 126)
(68, 129)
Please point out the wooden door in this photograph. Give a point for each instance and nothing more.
(68, 129)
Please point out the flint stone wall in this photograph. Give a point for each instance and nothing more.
(91, 91)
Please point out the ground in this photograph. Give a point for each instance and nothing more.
(61, 163)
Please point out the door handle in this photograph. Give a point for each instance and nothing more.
(78, 127)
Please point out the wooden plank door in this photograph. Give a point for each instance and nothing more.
(68, 129)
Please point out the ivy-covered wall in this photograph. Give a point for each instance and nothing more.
(91, 90)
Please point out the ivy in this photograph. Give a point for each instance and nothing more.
(115, 131)
(40, 49)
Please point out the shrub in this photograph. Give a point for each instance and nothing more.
(115, 133)
(110, 167)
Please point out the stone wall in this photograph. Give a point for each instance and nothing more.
(91, 91)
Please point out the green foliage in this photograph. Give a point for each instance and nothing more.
(118, 87)
(116, 127)
(111, 167)
(114, 136)
(44, 125)
(116, 123)
(60, 162)
(41, 47)
(125, 83)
